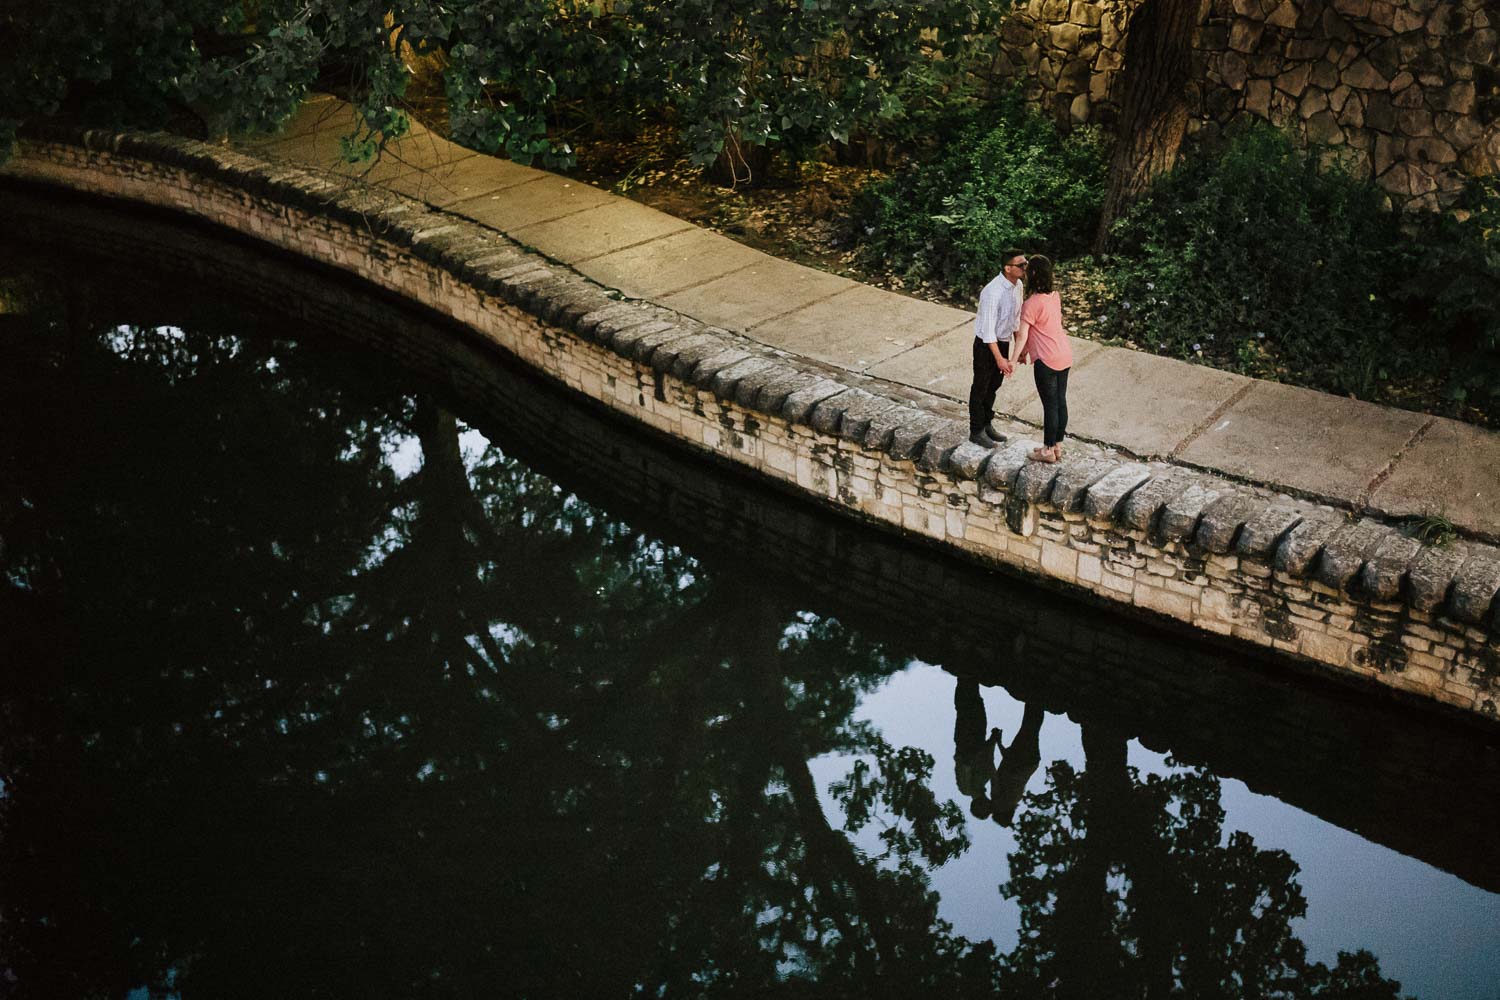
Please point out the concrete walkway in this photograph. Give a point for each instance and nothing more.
(1368, 457)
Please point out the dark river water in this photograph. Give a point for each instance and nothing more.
(328, 676)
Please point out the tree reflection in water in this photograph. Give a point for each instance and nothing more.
(282, 718)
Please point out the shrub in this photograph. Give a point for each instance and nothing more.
(1450, 297)
(1251, 257)
(1011, 181)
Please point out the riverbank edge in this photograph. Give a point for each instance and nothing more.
(1250, 565)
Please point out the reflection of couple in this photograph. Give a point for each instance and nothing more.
(974, 756)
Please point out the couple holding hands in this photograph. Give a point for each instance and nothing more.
(1014, 328)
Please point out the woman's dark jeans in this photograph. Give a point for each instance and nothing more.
(1052, 386)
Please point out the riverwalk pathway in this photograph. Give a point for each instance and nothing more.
(1356, 454)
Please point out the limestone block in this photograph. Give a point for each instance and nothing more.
(1361, 75)
(1458, 98)
(1109, 30)
(1430, 149)
(1054, 10)
(877, 428)
(1352, 9)
(1179, 516)
(1258, 98)
(1059, 561)
(1411, 97)
(1482, 46)
(589, 324)
(1461, 131)
(727, 379)
(1143, 505)
(1163, 601)
(1245, 34)
(1086, 13)
(1074, 78)
(1336, 27)
(1284, 16)
(1475, 586)
(1308, 48)
(1415, 122)
(1406, 19)
(1353, 117)
(1224, 518)
(697, 363)
(1387, 566)
(1323, 129)
(1070, 489)
(1105, 495)
(1405, 179)
(748, 389)
(1382, 13)
(1264, 531)
(645, 346)
(848, 414)
(1065, 36)
(910, 438)
(1004, 465)
(1233, 70)
(793, 396)
(1302, 545)
(1294, 80)
(1380, 113)
(1034, 482)
(941, 444)
(967, 460)
(1078, 110)
(1338, 97)
(1347, 549)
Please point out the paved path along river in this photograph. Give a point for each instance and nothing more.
(1370, 458)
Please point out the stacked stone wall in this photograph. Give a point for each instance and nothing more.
(1405, 92)
(1312, 582)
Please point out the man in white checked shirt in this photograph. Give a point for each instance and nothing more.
(994, 326)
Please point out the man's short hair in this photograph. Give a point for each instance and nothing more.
(1009, 254)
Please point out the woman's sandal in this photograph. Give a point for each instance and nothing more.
(1043, 455)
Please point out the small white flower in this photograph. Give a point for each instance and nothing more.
(1150, 286)
(1260, 335)
(1197, 347)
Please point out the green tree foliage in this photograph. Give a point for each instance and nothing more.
(798, 73)
(1253, 257)
(1009, 182)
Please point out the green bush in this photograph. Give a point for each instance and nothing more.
(1010, 181)
(1251, 257)
(1450, 298)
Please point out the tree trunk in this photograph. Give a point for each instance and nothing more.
(1153, 111)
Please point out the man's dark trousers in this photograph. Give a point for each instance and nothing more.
(987, 379)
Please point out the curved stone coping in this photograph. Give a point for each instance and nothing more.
(1207, 521)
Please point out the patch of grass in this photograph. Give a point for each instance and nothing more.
(1434, 530)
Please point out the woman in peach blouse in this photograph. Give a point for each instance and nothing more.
(1043, 342)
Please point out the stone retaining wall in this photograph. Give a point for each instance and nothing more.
(1352, 594)
(1406, 92)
